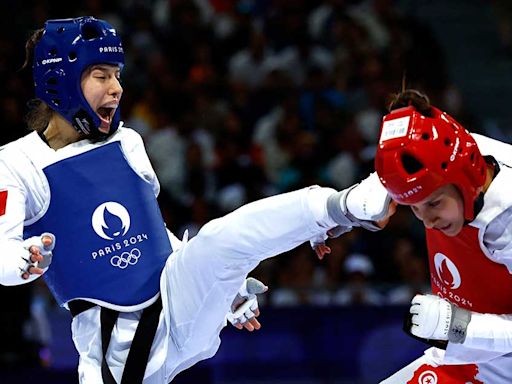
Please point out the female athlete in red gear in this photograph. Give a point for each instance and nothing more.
(457, 184)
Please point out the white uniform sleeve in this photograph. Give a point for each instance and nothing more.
(11, 228)
(490, 332)
(175, 242)
(133, 148)
(498, 239)
(488, 337)
(498, 149)
(498, 232)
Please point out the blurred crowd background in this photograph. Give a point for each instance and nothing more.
(239, 100)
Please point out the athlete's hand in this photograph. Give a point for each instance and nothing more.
(318, 244)
(244, 309)
(39, 254)
(321, 249)
(431, 317)
(435, 318)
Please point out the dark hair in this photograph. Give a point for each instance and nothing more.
(39, 113)
(410, 97)
(29, 46)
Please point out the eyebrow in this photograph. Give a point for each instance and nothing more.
(435, 196)
(104, 67)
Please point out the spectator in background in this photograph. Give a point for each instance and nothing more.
(297, 282)
(503, 12)
(413, 273)
(357, 288)
(250, 66)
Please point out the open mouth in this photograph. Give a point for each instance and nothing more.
(106, 114)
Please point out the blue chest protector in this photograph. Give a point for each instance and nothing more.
(111, 241)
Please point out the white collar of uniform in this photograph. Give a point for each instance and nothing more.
(495, 198)
(43, 155)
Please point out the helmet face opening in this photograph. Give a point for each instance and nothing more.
(411, 164)
(418, 154)
(66, 49)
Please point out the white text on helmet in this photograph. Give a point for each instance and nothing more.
(113, 49)
(410, 192)
(455, 149)
(53, 60)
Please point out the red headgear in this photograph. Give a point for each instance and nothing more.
(419, 154)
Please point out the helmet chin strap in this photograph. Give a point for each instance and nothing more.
(478, 205)
(84, 124)
(479, 201)
(96, 136)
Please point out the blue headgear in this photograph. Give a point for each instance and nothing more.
(67, 47)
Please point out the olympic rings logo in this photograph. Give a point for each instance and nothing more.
(126, 258)
(428, 377)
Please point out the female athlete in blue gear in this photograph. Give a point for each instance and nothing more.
(79, 207)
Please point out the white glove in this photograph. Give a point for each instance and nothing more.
(361, 205)
(368, 200)
(245, 304)
(436, 318)
(431, 317)
(40, 245)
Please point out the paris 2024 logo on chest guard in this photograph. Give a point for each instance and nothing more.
(447, 271)
(110, 211)
(448, 280)
(111, 221)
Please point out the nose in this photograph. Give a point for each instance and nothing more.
(428, 223)
(115, 88)
(428, 219)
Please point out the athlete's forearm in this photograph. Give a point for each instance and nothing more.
(490, 332)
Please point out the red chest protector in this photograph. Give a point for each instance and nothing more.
(461, 273)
